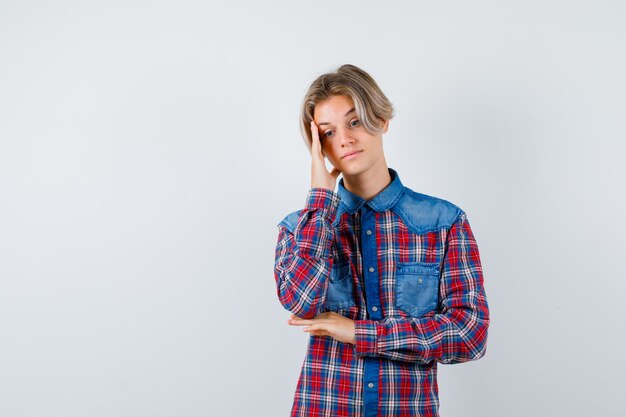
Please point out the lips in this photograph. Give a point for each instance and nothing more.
(350, 153)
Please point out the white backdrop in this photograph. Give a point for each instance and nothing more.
(148, 149)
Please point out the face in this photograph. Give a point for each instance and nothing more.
(342, 134)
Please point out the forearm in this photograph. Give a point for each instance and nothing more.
(458, 336)
(303, 255)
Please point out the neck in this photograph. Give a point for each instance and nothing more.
(368, 184)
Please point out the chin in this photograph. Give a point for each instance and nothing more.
(352, 170)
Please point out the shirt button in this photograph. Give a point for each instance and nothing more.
(419, 280)
(374, 308)
(369, 232)
(371, 269)
(371, 385)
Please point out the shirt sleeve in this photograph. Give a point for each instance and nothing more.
(303, 258)
(457, 332)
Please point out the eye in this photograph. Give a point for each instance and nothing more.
(355, 123)
(328, 133)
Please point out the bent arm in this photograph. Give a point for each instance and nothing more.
(303, 258)
(458, 333)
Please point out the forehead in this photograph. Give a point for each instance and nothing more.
(334, 108)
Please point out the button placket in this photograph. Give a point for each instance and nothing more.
(368, 232)
(371, 369)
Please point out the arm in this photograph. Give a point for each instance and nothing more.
(458, 333)
(303, 260)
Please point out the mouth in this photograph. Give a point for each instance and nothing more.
(351, 155)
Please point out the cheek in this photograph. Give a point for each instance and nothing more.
(329, 152)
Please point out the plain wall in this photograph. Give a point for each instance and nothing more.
(148, 150)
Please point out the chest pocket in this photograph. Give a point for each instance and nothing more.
(417, 287)
(339, 294)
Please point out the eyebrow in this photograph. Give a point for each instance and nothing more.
(326, 123)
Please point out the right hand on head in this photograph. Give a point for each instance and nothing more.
(320, 177)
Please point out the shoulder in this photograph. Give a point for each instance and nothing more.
(425, 213)
(290, 220)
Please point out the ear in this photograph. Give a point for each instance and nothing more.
(386, 126)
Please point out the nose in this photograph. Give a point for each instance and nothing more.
(345, 136)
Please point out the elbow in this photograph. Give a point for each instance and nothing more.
(478, 346)
(477, 341)
(297, 304)
(299, 308)
(480, 350)
(472, 348)
(305, 313)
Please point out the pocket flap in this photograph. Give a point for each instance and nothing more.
(417, 285)
(340, 272)
(427, 268)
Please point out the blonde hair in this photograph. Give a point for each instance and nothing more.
(372, 107)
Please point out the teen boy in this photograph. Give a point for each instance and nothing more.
(387, 281)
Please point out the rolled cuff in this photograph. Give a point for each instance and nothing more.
(325, 200)
(366, 336)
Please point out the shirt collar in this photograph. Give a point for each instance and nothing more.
(384, 200)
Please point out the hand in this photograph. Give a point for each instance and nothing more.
(328, 324)
(320, 177)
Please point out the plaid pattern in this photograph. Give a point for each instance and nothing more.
(405, 267)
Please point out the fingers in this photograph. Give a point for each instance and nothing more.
(316, 147)
(327, 324)
(317, 332)
(315, 328)
(324, 314)
(297, 321)
(300, 322)
(303, 322)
